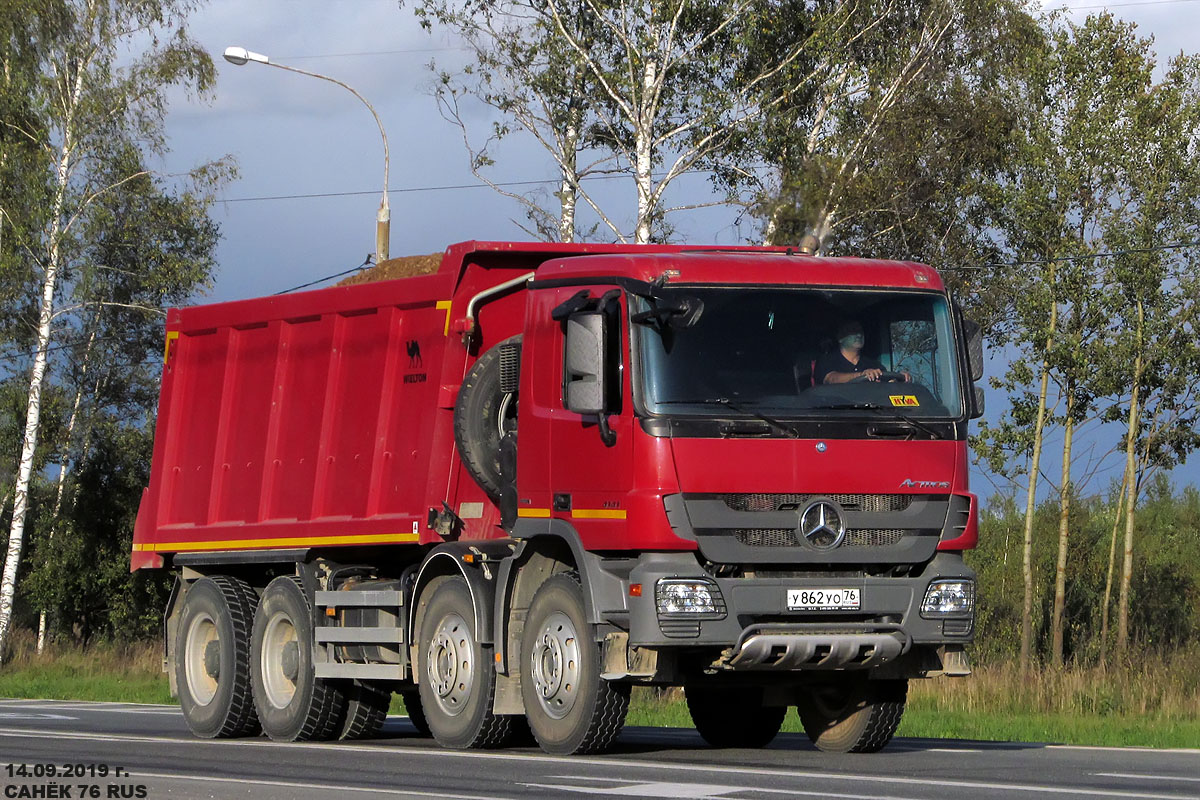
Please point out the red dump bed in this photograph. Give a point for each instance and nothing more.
(322, 418)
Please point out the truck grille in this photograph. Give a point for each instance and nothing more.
(788, 537)
(795, 502)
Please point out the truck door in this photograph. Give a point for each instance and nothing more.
(591, 453)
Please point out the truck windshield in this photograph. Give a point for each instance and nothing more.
(767, 351)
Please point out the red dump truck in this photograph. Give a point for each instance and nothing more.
(514, 488)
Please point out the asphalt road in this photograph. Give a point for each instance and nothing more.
(157, 758)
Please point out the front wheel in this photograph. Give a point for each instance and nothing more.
(570, 708)
(733, 716)
(853, 716)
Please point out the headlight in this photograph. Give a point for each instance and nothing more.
(687, 596)
(949, 598)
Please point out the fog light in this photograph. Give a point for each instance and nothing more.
(950, 598)
(683, 596)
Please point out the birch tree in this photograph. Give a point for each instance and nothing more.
(655, 85)
(92, 90)
(523, 71)
(885, 141)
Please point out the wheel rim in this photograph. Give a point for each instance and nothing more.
(555, 665)
(279, 660)
(451, 664)
(506, 415)
(202, 659)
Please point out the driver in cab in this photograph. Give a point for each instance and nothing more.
(847, 363)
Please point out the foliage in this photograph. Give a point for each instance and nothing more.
(1166, 581)
(88, 268)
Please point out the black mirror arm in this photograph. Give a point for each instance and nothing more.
(607, 434)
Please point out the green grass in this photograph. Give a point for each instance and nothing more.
(121, 673)
(1155, 703)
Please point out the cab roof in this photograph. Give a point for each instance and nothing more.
(758, 266)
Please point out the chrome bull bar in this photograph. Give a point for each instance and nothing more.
(804, 651)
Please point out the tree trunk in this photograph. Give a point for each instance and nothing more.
(62, 466)
(1132, 489)
(644, 152)
(1035, 459)
(567, 196)
(1064, 519)
(33, 407)
(1112, 561)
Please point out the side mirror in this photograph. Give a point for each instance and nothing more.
(974, 337)
(584, 363)
(978, 405)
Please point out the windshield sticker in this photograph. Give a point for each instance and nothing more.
(903, 400)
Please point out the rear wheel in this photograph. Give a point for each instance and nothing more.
(733, 716)
(457, 679)
(293, 704)
(366, 709)
(416, 714)
(853, 716)
(570, 708)
(212, 658)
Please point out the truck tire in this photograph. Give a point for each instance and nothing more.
(570, 708)
(212, 658)
(855, 716)
(366, 710)
(481, 412)
(416, 714)
(733, 716)
(457, 681)
(293, 704)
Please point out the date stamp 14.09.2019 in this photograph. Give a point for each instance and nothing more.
(51, 781)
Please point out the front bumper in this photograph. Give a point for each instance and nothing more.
(756, 630)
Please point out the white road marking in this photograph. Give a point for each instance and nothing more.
(333, 788)
(1183, 751)
(661, 766)
(31, 715)
(946, 750)
(683, 791)
(1136, 777)
(790, 792)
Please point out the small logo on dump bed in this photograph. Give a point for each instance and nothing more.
(822, 524)
(413, 348)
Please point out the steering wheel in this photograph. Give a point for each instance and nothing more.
(886, 377)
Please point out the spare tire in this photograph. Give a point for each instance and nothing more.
(482, 415)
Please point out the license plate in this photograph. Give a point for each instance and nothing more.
(822, 599)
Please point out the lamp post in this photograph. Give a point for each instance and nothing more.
(383, 220)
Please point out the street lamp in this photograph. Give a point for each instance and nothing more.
(383, 220)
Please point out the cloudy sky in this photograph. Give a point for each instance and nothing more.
(310, 156)
(311, 141)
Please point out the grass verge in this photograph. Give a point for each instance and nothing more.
(1155, 703)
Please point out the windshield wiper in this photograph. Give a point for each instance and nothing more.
(741, 409)
(884, 412)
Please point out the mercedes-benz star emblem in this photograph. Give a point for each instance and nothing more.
(822, 524)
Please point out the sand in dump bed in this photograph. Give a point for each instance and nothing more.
(402, 267)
